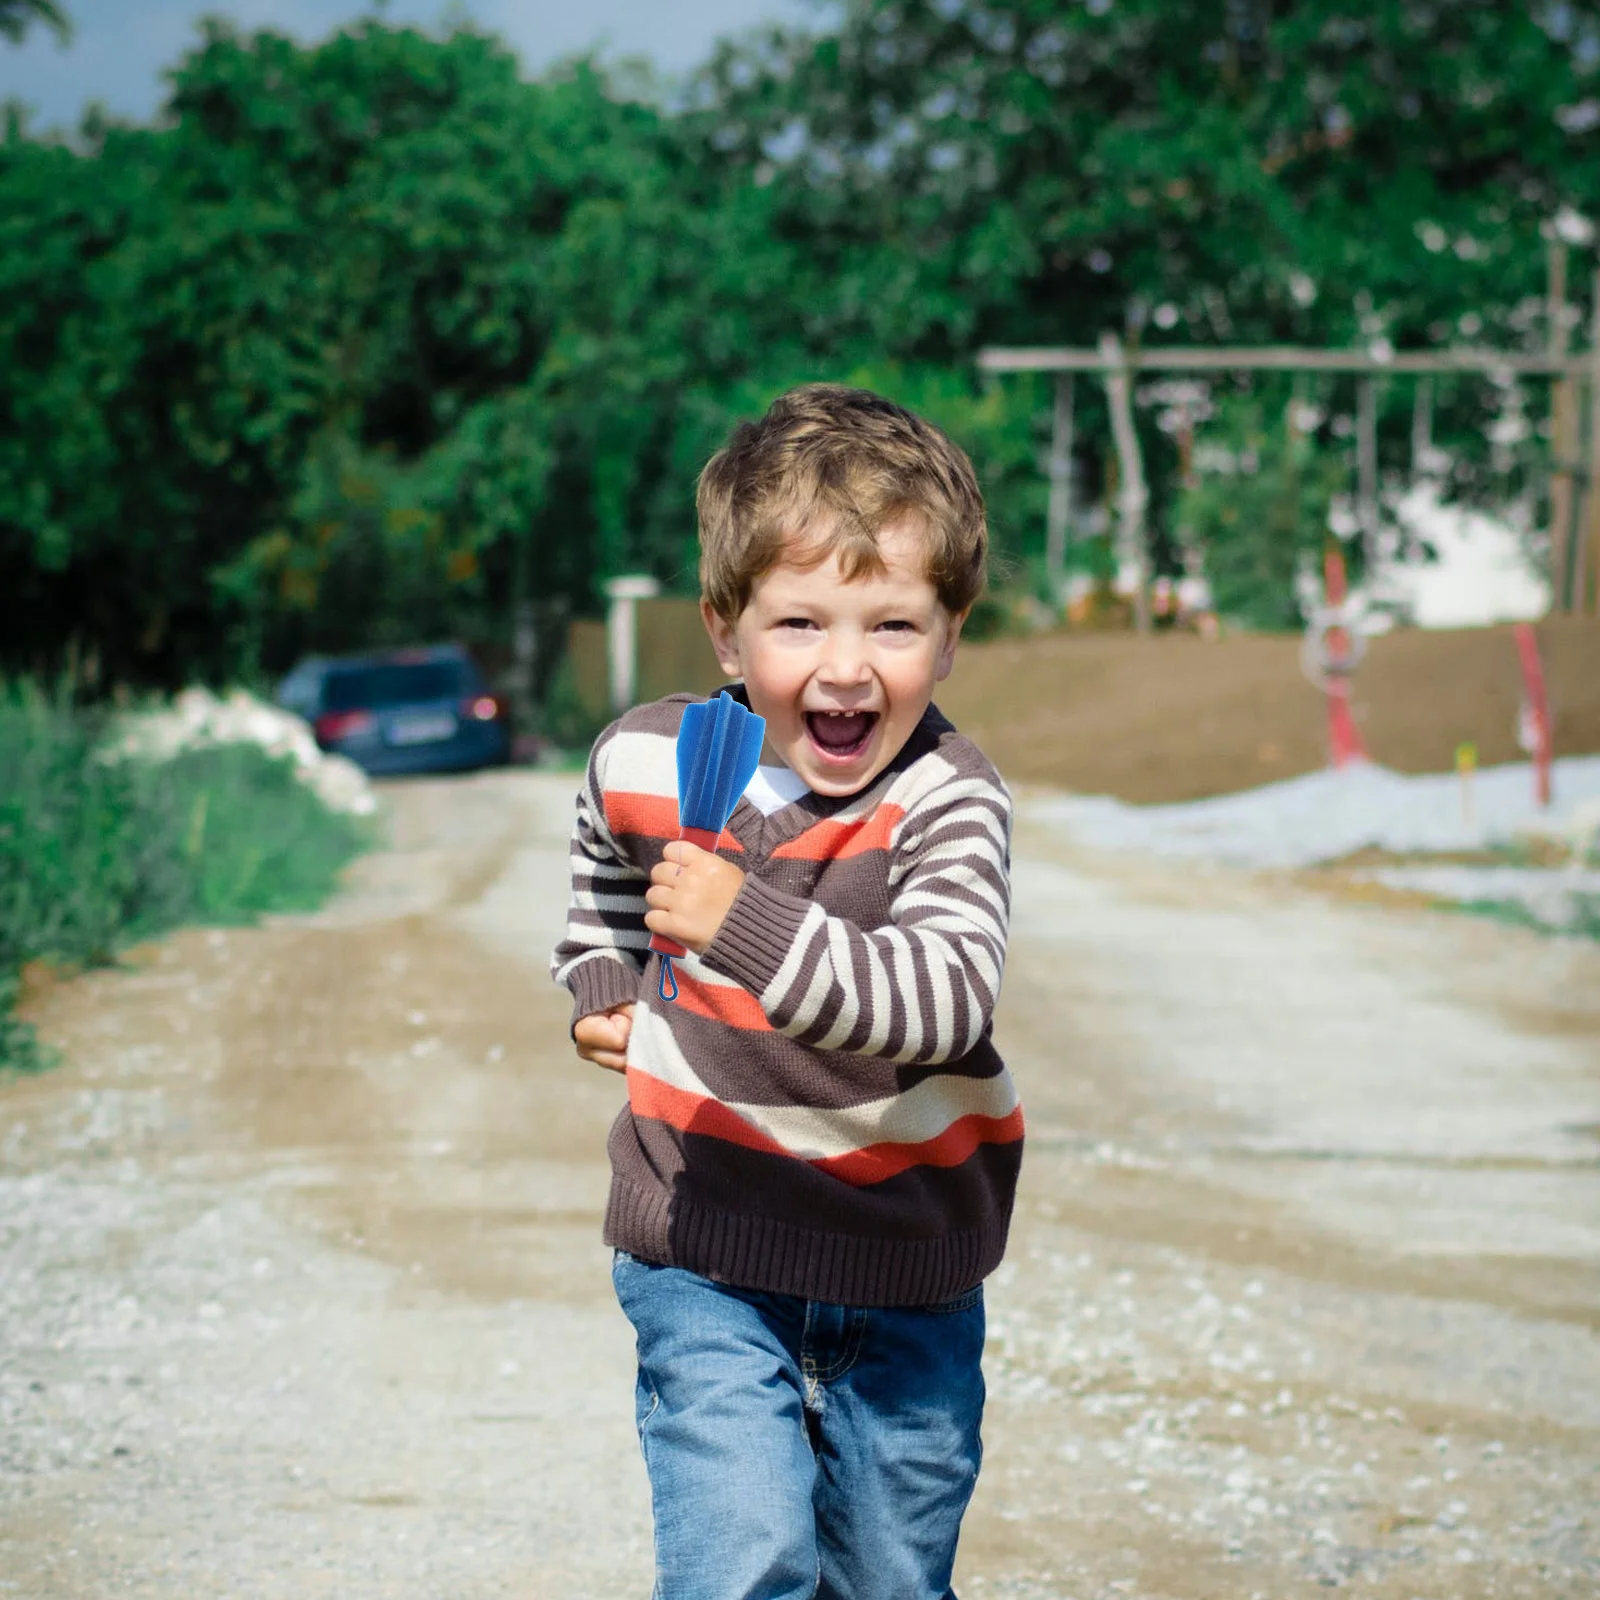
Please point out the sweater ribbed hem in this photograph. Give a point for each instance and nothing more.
(775, 1257)
(601, 982)
(757, 935)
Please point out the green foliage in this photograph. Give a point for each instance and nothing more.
(990, 618)
(97, 854)
(1014, 163)
(17, 16)
(567, 720)
(336, 264)
(367, 340)
(1257, 511)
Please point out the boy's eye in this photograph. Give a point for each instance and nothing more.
(795, 622)
(898, 624)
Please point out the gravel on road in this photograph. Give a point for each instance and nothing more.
(302, 1291)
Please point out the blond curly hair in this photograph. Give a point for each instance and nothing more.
(826, 470)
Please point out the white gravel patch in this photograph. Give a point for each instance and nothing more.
(1325, 815)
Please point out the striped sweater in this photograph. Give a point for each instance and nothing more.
(821, 1112)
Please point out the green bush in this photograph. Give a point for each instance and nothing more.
(990, 618)
(1259, 514)
(96, 854)
(566, 719)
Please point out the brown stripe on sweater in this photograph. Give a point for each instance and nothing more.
(776, 1070)
(914, 1204)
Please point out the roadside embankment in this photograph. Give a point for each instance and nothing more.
(1178, 717)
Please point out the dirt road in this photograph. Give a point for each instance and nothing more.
(301, 1290)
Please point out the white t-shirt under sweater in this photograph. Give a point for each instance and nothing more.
(773, 788)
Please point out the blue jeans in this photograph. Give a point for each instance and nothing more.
(799, 1450)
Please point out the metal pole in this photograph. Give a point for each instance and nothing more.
(1589, 591)
(1277, 358)
(1562, 440)
(1367, 472)
(1059, 512)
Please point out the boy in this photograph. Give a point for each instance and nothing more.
(816, 1166)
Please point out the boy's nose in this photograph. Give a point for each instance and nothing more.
(844, 662)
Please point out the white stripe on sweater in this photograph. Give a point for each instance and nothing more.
(815, 1133)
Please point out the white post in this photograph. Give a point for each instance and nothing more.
(622, 633)
(1132, 495)
(1422, 429)
(1058, 513)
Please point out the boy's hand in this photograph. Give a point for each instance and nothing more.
(602, 1037)
(690, 893)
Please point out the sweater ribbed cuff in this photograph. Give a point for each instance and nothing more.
(757, 935)
(600, 983)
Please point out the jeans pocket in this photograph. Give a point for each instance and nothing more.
(962, 1302)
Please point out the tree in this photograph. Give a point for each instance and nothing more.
(1265, 168)
(17, 16)
(969, 172)
(363, 340)
(1256, 511)
(374, 254)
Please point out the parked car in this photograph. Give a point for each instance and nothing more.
(397, 711)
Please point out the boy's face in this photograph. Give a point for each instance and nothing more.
(841, 671)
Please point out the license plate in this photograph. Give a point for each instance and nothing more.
(422, 729)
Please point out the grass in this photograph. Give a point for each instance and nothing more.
(1583, 924)
(97, 855)
(566, 720)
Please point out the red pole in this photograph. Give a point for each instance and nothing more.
(1537, 709)
(1344, 737)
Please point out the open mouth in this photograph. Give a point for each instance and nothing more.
(840, 735)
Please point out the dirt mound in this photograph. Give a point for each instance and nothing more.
(1178, 718)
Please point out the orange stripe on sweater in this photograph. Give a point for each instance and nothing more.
(693, 1113)
(653, 816)
(699, 1114)
(876, 1162)
(832, 840)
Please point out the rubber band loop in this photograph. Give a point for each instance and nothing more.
(666, 975)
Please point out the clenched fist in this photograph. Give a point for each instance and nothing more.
(602, 1037)
(690, 893)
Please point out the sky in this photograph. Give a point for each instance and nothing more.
(121, 47)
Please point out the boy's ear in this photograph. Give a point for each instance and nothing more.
(724, 640)
(952, 635)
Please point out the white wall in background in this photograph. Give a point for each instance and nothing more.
(1483, 573)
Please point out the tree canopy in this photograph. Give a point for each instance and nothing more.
(360, 340)
(17, 16)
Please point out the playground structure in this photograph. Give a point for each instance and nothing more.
(1575, 516)
(1334, 644)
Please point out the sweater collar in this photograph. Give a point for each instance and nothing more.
(763, 834)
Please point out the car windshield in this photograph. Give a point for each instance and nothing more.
(394, 683)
